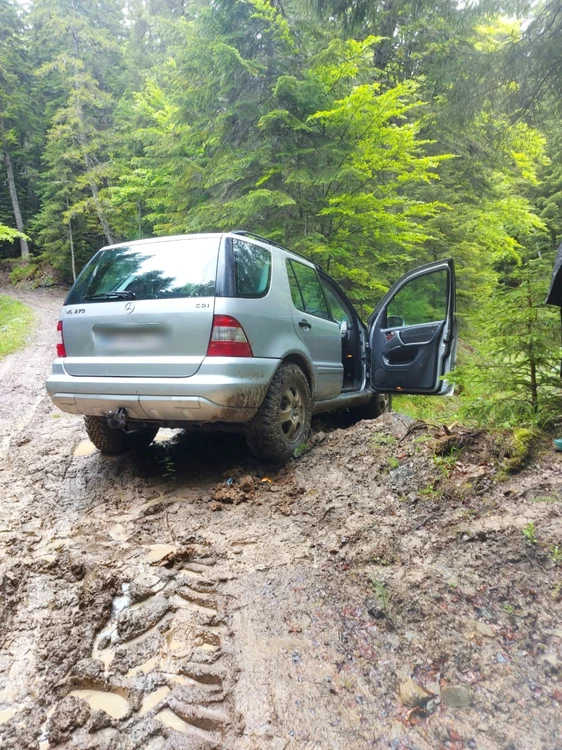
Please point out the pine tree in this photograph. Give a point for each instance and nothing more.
(512, 376)
(79, 55)
(15, 113)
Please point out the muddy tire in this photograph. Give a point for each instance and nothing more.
(380, 403)
(112, 442)
(283, 420)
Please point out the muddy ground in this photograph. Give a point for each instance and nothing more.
(394, 587)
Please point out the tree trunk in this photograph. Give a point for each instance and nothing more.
(534, 387)
(387, 29)
(71, 238)
(15, 204)
(532, 360)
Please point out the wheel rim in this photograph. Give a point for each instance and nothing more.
(292, 413)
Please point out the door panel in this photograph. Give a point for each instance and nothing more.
(316, 330)
(412, 332)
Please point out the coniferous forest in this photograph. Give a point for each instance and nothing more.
(370, 135)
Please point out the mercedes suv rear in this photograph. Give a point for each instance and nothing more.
(232, 329)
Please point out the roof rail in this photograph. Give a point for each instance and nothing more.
(244, 233)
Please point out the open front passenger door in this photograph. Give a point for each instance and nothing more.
(413, 332)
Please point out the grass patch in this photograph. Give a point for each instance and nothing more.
(429, 408)
(15, 321)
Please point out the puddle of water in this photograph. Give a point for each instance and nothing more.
(152, 699)
(114, 705)
(121, 602)
(207, 647)
(47, 558)
(148, 666)
(184, 603)
(109, 632)
(171, 720)
(178, 649)
(43, 739)
(106, 655)
(6, 715)
(179, 679)
(158, 551)
(118, 533)
(85, 448)
(7, 695)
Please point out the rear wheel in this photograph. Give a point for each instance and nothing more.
(112, 442)
(283, 420)
(380, 403)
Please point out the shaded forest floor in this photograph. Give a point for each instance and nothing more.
(394, 587)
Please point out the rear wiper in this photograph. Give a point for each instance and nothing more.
(110, 296)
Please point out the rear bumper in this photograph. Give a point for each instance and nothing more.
(224, 389)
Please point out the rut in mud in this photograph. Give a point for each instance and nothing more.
(378, 592)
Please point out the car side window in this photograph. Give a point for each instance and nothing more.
(296, 295)
(252, 269)
(338, 310)
(306, 291)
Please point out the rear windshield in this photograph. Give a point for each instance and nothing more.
(163, 270)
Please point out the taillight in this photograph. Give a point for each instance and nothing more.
(228, 339)
(61, 351)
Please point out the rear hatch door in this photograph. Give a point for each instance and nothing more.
(143, 310)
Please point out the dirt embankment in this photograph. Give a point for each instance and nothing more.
(387, 589)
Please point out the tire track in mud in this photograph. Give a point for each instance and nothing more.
(103, 644)
(161, 669)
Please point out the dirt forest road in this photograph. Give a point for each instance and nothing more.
(378, 592)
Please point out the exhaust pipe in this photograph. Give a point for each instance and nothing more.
(117, 419)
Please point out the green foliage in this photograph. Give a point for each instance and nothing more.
(371, 137)
(529, 533)
(7, 234)
(30, 274)
(512, 376)
(15, 321)
(381, 593)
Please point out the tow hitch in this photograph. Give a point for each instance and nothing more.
(117, 419)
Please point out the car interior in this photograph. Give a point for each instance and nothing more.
(343, 313)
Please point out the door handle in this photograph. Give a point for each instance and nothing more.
(305, 324)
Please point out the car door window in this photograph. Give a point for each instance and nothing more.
(338, 309)
(306, 291)
(422, 300)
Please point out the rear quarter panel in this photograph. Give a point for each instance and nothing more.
(267, 321)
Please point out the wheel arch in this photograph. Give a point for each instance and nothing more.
(301, 361)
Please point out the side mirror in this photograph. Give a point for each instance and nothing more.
(395, 321)
(343, 329)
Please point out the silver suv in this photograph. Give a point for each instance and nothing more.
(235, 331)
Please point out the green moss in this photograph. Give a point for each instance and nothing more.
(15, 321)
(519, 447)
